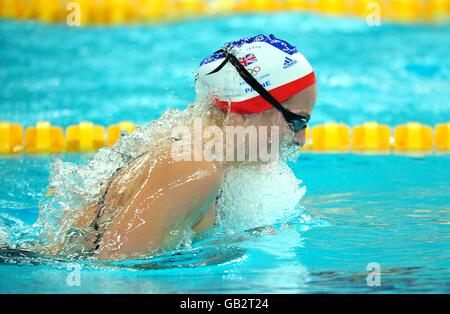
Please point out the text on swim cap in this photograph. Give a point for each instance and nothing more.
(249, 89)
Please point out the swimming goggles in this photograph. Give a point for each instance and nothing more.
(295, 121)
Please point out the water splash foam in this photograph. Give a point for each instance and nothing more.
(254, 196)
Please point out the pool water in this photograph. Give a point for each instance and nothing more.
(393, 211)
(359, 209)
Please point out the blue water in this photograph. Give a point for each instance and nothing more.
(391, 210)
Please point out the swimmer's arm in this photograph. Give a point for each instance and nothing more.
(176, 196)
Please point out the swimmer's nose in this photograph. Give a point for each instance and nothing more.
(300, 140)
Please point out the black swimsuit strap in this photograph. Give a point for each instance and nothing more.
(219, 194)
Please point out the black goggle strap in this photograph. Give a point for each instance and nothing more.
(223, 62)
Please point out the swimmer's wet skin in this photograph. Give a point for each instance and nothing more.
(153, 201)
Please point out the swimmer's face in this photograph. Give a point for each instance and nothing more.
(301, 103)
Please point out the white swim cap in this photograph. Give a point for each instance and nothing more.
(276, 65)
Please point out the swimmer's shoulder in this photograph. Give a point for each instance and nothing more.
(207, 171)
(192, 183)
(162, 170)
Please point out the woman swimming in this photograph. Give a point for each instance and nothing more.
(171, 186)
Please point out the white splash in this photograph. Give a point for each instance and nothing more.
(254, 198)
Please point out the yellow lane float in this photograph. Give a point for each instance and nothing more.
(436, 10)
(11, 138)
(132, 11)
(85, 137)
(413, 136)
(442, 137)
(331, 137)
(332, 6)
(404, 10)
(44, 138)
(371, 136)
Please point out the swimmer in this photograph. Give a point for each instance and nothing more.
(150, 203)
